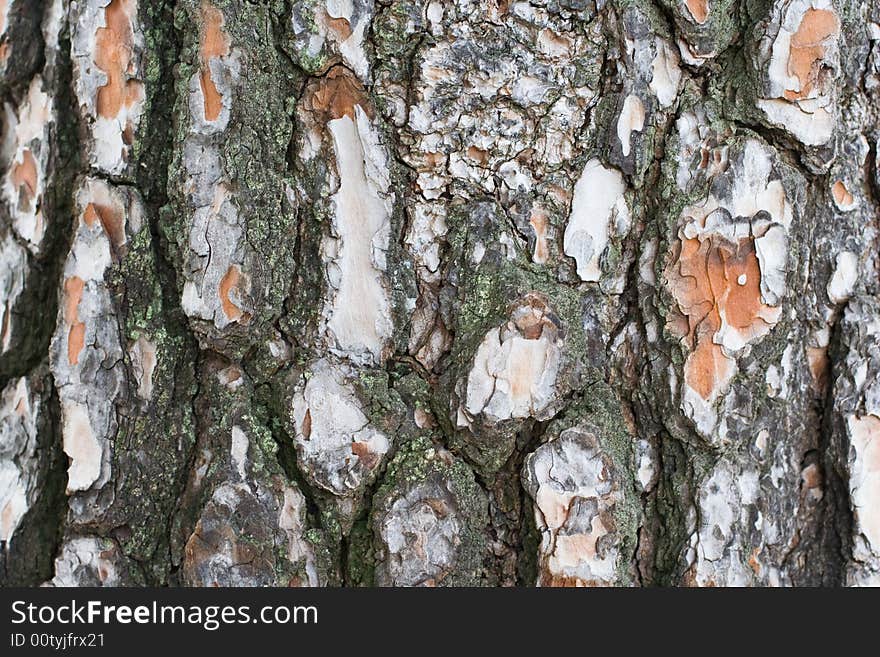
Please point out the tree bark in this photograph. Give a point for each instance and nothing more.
(477, 292)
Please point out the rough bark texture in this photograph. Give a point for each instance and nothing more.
(471, 292)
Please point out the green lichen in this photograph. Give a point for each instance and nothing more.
(360, 566)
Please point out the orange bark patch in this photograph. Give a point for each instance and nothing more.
(336, 94)
(362, 451)
(213, 42)
(24, 179)
(706, 367)
(307, 425)
(111, 220)
(339, 26)
(808, 49)
(754, 564)
(553, 41)
(699, 10)
(841, 194)
(113, 55)
(433, 160)
(539, 222)
(716, 283)
(817, 358)
(563, 581)
(531, 317)
(811, 477)
(738, 274)
(478, 155)
(228, 283)
(73, 291)
(90, 215)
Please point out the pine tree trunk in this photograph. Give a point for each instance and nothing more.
(465, 292)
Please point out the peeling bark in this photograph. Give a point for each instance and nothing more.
(556, 293)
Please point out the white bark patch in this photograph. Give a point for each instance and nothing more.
(231, 377)
(292, 521)
(238, 451)
(573, 485)
(631, 119)
(217, 285)
(87, 561)
(143, 361)
(19, 457)
(722, 552)
(843, 281)
(434, 14)
(339, 450)
(812, 125)
(515, 368)
(107, 47)
(53, 20)
(698, 142)
(802, 65)
(358, 316)
(665, 73)
(598, 203)
(647, 461)
(864, 479)
(5, 7)
(421, 533)
(13, 273)
(86, 355)
(428, 226)
(218, 290)
(26, 153)
(81, 446)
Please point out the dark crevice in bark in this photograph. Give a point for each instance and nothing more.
(181, 519)
(38, 537)
(525, 530)
(29, 560)
(40, 297)
(24, 46)
(153, 182)
(834, 549)
(672, 497)
(153, 179)
(286, 455)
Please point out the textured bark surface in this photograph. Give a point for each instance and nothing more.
(471, 292)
